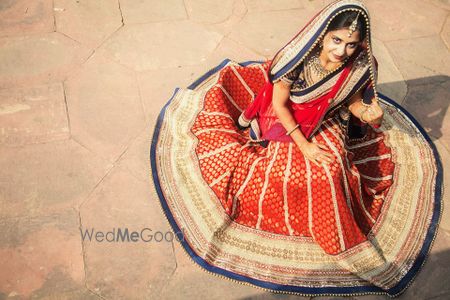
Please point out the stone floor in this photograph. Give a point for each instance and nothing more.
(81, 84)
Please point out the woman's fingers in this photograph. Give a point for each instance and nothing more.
(322, 146)
(320, 158)
(327, 154)
(321, 155)
(314, 161)
(326, 158)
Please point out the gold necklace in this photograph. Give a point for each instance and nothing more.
(318, 69)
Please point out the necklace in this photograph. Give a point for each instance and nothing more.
(318, 69)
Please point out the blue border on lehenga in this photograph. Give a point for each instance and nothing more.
(315, 291)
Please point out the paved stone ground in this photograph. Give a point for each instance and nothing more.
(81, 84)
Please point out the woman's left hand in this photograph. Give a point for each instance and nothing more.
(374, 114)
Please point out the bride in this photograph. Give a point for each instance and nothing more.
(295, 174)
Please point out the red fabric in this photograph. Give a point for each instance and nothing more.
(250, 180)
(307, 115)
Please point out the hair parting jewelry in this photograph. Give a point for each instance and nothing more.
(352, 27)
(293, 129)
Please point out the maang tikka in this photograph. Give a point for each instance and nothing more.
(352, 27)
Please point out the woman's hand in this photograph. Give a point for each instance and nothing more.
(374, 114)
(316, 152)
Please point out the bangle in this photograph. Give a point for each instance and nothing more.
(365, 104)
(293, 129)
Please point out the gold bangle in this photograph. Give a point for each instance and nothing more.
(365, 104)
(293, 129)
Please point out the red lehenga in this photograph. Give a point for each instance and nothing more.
(251, 208)
(274, 188)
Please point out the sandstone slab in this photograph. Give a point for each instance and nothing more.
(88, 22)
(45, 179)
(128, 268)
(405, 19)
(445, 4)
(267, 5)
(231, 49)
(429, 104)
(213, 11)
(38, 58)
(432, 282)
(22, 17)
(33, 115)
(161, 45)
(157, 86)
(445, 34)
(122, 200)
(136, 159)
(41, 254)
(152, 11)
(104, 107)
(390, 79)
(266, 32)
(224, 27)
(184, 283)
(421, 60)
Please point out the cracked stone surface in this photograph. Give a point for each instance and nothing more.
(265, 37)
(136, 159)
(232, 50)
(209, 11)
(152, 11)
(173, 44)
(390, 22)
(225, 27)
(53, 56)
(427, 63)
(34, 114)
(47, 178)
(43, 255)
(429, 104)
(126, 269)
(267, 5)
(445, 34)
(88, 22)
(445, 4)
(390, 79)
(434, 272)
(158, 86)
(186, 277)
(104, 107)
(19, 17)
(81, 85)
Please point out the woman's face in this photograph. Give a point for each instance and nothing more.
(337, 45)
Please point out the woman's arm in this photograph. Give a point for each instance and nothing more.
(372, 114)
(312, 151)
(280, 98)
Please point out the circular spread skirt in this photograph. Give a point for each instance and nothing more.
(263, 215)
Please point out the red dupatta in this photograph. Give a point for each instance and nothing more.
(308, 115)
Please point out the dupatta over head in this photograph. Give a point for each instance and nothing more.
(312, 104)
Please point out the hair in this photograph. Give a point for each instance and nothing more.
(345, 19)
